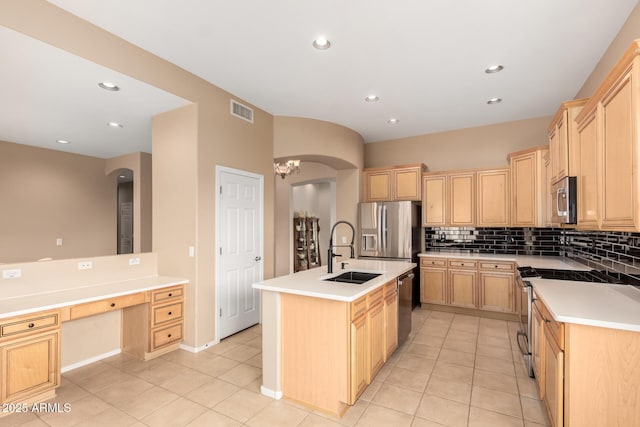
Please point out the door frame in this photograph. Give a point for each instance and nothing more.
(218, 171)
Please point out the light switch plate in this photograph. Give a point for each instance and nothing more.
(12, 274)
(134, 261)
(85, 265)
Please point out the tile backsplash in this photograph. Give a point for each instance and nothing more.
(518, 241)
(618, 253)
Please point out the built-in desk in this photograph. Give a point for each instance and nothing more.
(30, 329)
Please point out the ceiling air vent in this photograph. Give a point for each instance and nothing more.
(241, 111)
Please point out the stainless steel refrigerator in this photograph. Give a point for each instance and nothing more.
(392, 231)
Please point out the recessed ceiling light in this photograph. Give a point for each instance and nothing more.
(62, 141)
(114, 124)
(372, 98)
(494, 69)
(321, 43)
(109, 86)
(494, 101)
(393, 121)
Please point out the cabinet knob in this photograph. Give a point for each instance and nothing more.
(113, 304)
(547, 321)
(31, 325)
(170, 295)
(169, 336)
(170, 313)
(495, 266)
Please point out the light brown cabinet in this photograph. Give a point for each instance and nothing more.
(609, 137)
(485, 285)
(29, 357)
(393, 183)
(493, 203)
(563, 140)
(448, 199)
(553, 379)
(390, 319)
(358, 358)
(527, 188)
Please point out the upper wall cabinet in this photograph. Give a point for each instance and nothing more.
(492, 197)
(393, 183)
(527, 187)
(608, 129)
(563, 145)
(449, 199)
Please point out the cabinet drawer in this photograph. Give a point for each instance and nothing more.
(555, 328)
(390, 289)
(427, 262)
(24, 325)
(358, 307)
(105, 305)
(456, 263)
(166, 313)
(496, 266)
(166, 295)
(166, 336)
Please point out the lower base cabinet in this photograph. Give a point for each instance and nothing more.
(332, 350)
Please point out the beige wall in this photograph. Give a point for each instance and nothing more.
(50, 194)
(140, 164)
(629, 32)
(477, 147)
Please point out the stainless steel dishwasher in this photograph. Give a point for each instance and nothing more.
(405, 294)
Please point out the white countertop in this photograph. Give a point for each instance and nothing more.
(29, 301)
(593, 304)
(584, 303)
(310, 282)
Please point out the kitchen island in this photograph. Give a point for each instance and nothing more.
(324, 341)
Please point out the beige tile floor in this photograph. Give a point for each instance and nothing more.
(454, 370)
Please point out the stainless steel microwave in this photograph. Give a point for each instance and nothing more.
(564, 197)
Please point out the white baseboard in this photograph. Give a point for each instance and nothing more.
(198, 349)
(270, 393)
(90, 360)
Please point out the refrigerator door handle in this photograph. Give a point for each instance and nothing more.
(379, 229)
(383, 225)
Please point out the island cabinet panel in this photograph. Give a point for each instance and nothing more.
(332, 350)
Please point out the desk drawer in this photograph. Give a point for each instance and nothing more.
(167, 294)
(27, 324)
(166, 314)
(166, 336)
(105, 305)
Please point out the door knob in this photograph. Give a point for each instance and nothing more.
(258, 258)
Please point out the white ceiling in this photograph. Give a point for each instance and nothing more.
(425, 59)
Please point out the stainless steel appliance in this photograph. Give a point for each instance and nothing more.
(525, 302)
(564, 200)
(391, 231)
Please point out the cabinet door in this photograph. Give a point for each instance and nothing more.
(376, 330)
(433, 285)
(497, 292)
(358, 365)
(537, 348)
(588, 205)
(562, 153)
(554, 148)
(525, 190)
(30, 366)
(462, 192)
(377, 186)
(553, 380)
(391, 325)
(406, 184)
(619, 152)
(434, 190)
(493, 198)
(462, 288)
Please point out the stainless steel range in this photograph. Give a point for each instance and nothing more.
(526, 298)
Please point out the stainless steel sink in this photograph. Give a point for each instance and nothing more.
(354, 277)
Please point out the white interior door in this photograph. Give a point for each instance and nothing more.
(239, 238)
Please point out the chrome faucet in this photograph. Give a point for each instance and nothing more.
(332, 255)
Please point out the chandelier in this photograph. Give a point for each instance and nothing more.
(286, 168)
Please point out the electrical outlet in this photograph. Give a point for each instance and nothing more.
(134, 261)
(59, 241)
(85, 265)
(12, 274)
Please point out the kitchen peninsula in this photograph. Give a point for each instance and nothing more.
(324, 341)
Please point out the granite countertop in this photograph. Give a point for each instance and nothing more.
(585, 303)
(310, 282)
(24, 300)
